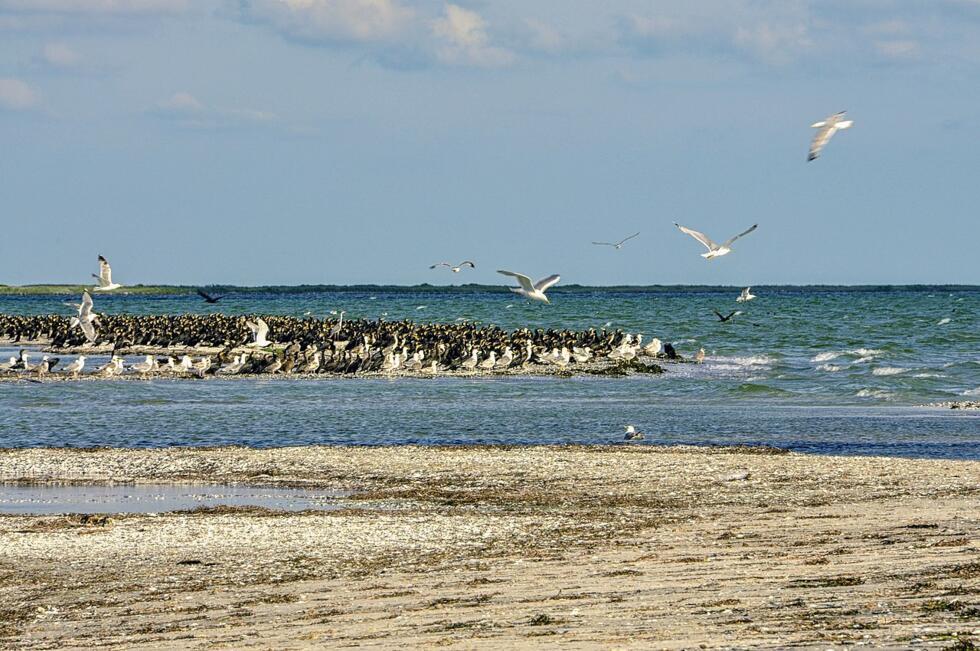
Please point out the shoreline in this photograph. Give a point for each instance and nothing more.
(582, 546)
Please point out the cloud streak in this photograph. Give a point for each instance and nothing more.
(16, 95)
(186, 111)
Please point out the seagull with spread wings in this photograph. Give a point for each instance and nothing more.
(617, 245)
(86, 318)
(529, 290)
(105, 277)
(714, 250)
(827, 128)
(745, 296)
(455, 269)
(259, 331)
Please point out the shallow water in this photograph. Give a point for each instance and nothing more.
(826, 371)
(156, 498)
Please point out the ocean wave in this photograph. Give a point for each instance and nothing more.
(826, 357)
(874, 393)
(889, 370)
(751, 360)
(830, 368)
(864, 360)
(865, 352)
(944, 321)
(929, 375)
(972, 392)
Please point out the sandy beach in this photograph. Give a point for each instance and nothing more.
(578, 547)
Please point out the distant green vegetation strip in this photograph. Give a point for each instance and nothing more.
(179, 290)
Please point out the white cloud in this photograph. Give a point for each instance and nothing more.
(332, 21)
(15, 95)
(59, 55)
(899, 49)
(464, 40)
(188, 111)
(95, 6)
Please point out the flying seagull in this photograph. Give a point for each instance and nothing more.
(455, 270)
(617, 245)
(745, 296)
(531, 291)
(207, 297)
(714, 250)
(105, 277)
(827, 128)
(86, 317)
(259, 331)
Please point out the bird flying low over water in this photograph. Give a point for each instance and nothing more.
(723, 318)
(207, 297)
(827, 128)
(617, 245)
(745, 296)
(105, 277)
(455, 269)
(529, 290)
(714, 250)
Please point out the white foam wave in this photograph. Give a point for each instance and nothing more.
(752, 360)
(865, 352)
(825, 357)
(830, 368)
(889, 370)
(944, 321)
(972, 392)
(874, 393)
(929, 375)
(864, 360)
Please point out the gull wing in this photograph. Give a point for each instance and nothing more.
(105, 272)
(820, 139)
(627, 239)
(440, 264)
(604, 243)
(700, 237)
(263, 328)
(467, 263)
(521, 278)
(85, 308)
(735, 237)
(253, 327)
(88, 330)
(543, 284)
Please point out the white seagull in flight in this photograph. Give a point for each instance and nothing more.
(617, 245)
(533, 291)
(259, 330)
(714, 250)
(105, 277)
(455, 270)
(745, 296)
(86, 317)
(827, 128)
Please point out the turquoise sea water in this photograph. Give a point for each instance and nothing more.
(828, 371)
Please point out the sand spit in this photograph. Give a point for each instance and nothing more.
(504, 547)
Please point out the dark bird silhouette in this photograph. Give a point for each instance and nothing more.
(723, 318)
(207, 297)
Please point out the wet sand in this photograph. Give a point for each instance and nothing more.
(496, 547)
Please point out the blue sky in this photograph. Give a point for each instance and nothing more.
(354, 141)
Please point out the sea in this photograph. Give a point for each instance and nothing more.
(826, 370)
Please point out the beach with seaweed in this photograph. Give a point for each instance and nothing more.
(579, 546)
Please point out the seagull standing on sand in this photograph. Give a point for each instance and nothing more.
(617, 245)
(76, 366)
(454, 269)
(532, 291)
(827, 128)
(105, 277)
(259, 331)
(714, 250)
(745, 296)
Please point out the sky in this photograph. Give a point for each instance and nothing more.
(259, 142)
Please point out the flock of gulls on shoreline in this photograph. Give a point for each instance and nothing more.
(239, 345)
